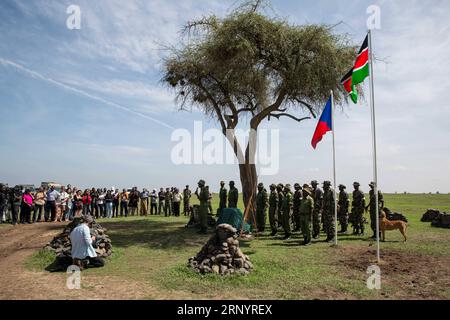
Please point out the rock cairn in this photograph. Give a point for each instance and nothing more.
(222, 255)
(62, 247)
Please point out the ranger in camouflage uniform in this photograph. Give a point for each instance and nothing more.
(358, 206)
(343, 207)
(187, 201)
(296, 206)
(280, 189)
(306, 214)
(317, 196)
(373, 208)
(233, 196)
(286, 208)
(273, 209)
(328, 211)
(261, 208)
(202, 194)
(223, 195)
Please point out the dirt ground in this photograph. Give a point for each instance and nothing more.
(418, 276)
(16, 282)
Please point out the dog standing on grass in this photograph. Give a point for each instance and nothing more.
(386, 225)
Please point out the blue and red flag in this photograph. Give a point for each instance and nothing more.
(325, 124)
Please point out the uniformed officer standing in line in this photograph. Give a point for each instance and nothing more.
(233, 196)
(306, 214)
(223, 195)
(273, 209)
(286, 209)
(373, 208)
(280, 189)
(358, 206)
(202, 194)
(317, 195)
(261, 208)
(328, 211)
(343, 207)
(296, 206)
(187, 200)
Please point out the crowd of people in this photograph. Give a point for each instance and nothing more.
(25, 206)
(308, 208)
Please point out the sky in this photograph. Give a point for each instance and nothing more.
(87, 107)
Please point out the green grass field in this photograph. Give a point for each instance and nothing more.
(154, 252)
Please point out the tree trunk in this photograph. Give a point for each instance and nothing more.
(249, 181)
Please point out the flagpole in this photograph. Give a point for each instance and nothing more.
(374, 145)
(334, 170)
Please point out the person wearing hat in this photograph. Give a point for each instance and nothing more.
(83, 253)
(273, 209)
(358, 206)
(261, 208)
(223, 196)
(280, 189)
(306, 214)
(296, 206)
(286, 208)
(328, 211)
(317, 195)
(343, 206)
(233, 196)
(202, 194)
(187, 194)
(373, 208)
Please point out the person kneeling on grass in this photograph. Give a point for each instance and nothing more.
(83, 253)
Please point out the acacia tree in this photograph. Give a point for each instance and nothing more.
(250, 66)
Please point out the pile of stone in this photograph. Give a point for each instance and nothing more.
(62, 247)
(430, 215)
(222, 255)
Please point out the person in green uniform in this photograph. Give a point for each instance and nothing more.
(358, 206)
(223, 195)
(373, 208)
(280, 189)
(296, 206)
(273, 210)
(286, 208)
(261, 208)
(187, 200)
(233, 196)
(343, 207)
(317, 195)
(306, 214)
(328, 211)
(202, 194)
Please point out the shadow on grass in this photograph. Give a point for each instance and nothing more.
(154, 234)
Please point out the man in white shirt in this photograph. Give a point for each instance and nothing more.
(83, 253)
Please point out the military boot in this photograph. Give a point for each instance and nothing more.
(287, 236)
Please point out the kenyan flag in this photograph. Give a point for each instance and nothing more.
(359, 72)
(361, 68)
(349, 86)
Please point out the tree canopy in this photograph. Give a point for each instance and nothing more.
(253, 65)
(249, 65)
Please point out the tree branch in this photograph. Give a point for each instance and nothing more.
(307, 105)
(279, 115)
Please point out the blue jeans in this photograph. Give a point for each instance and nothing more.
(109, 206)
